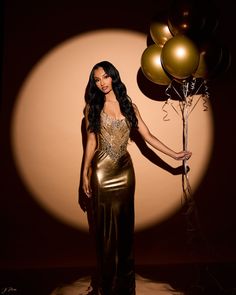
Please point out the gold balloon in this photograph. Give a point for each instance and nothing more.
(160, 33)
(151, 65)
(180, 57)
(202, 71)
(210, 58)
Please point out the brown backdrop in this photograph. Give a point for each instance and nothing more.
(32, 238)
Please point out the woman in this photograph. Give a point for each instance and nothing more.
(108, 175)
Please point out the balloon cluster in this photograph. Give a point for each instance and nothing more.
(184, 46)
(185, 51)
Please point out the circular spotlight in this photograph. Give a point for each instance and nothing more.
(47, 139)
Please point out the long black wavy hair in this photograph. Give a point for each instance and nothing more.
(95, 98)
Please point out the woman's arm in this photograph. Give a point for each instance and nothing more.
(88, 155)
(156, 143)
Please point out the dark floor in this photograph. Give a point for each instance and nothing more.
(191, 279)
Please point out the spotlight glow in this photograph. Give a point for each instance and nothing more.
(46, 129)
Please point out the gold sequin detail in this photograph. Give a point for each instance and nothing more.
(114, 136)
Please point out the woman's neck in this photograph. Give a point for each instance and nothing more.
(110, 97)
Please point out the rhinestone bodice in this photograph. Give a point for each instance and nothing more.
(114, 136)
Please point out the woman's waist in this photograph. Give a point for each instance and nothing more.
(113, 151)
(111, 156)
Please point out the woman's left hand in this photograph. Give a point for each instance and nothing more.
(183, 155)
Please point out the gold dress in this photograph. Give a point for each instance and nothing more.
(113, 184)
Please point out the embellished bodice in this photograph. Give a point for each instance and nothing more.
(114, 136)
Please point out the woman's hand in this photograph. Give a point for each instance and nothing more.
(86, 185)
(183, 155)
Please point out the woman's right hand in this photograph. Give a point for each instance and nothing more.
(86, 186)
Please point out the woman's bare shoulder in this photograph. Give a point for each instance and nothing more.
(135, 108)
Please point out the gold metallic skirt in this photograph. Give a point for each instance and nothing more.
(113, 185)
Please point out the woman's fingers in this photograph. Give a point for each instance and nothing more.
(87, 190)
(88, 193)
(184, 155)
(86, 187)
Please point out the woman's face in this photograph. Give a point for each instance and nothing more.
(102, 80)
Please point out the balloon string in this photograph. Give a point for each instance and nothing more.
(206, 89)
(205, 106)
(186, 185)
(185, 89)
(175, 109)
(190, 208)
(177, 92)
(205, 97)
(185, 105)
(192, 85)
(187, 191)
(168, 101)
(165, 118)
(185, 124)
(167, 90)
(199, 87)
(195, 104)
